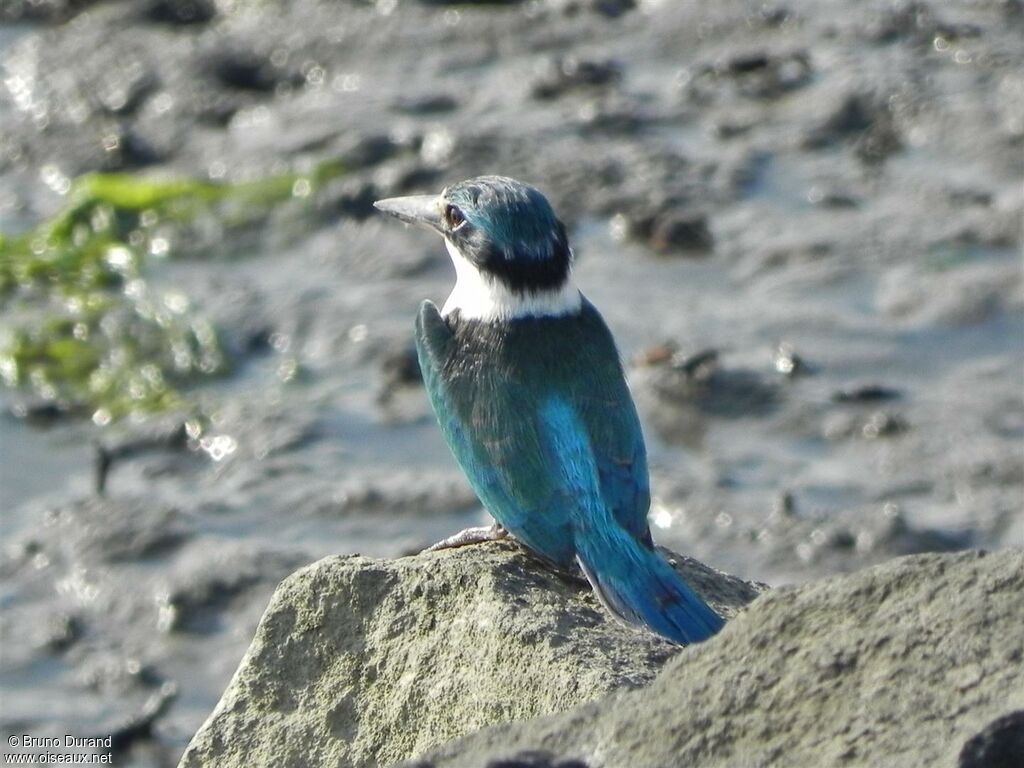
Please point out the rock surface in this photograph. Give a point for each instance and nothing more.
(917, 662)
(361, 662)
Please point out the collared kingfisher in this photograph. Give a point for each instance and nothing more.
(526, 383)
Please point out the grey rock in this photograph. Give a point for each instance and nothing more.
(900, 664)
(362, 662)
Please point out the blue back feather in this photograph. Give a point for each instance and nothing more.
(538, 415)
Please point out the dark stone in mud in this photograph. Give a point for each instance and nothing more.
(431, 104)
(44, 413)
(831, 198)
(789, 362)
(866, 393)
(681, 231)
(172, 438)
(125, 149)
(216, 109)
(679, 398)
(570, 73)
(244, 70)
(862, 121)
(401, 369)
(1013, 9)
(370, 150)
(659, 354)
(350, 197)
(875, 145)
(257, 341)
(745, 63)
(667, 227)
(999, 745)
(179, 12)
(884, 424)
(844, 538)
(470, 2)
(51, 11)
(854, 114)
(729, 128)
(610, 9)
(125, 91)
(879, 424)
(912, 20)
(612, 117)
(697, 366)
(407, 177)
(61, 632)
(700, 382)
(755, 74)
(613, 9)
(915, 22)
(139, 727)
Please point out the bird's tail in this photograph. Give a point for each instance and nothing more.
(638, 586)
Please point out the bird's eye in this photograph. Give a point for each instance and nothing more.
(453, 218)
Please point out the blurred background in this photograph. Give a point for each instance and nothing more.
(802, 222)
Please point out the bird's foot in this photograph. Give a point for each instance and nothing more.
(493, 532)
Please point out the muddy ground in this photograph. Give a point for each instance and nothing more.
(801, 221)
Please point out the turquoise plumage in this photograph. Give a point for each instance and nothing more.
(526, 383)
(539, 417)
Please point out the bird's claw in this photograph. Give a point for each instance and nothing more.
(477, 535)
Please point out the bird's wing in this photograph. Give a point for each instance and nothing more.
(630, 578)
(491, 424)
(606, 410)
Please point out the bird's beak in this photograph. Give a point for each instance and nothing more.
(424, 210)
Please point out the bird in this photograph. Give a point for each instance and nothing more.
(528, 388)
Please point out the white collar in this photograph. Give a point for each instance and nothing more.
(478, 296)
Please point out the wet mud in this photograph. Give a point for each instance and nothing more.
(802, 223)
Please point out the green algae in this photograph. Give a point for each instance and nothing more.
(85, 328)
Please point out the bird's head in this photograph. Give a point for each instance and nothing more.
(511, 254)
